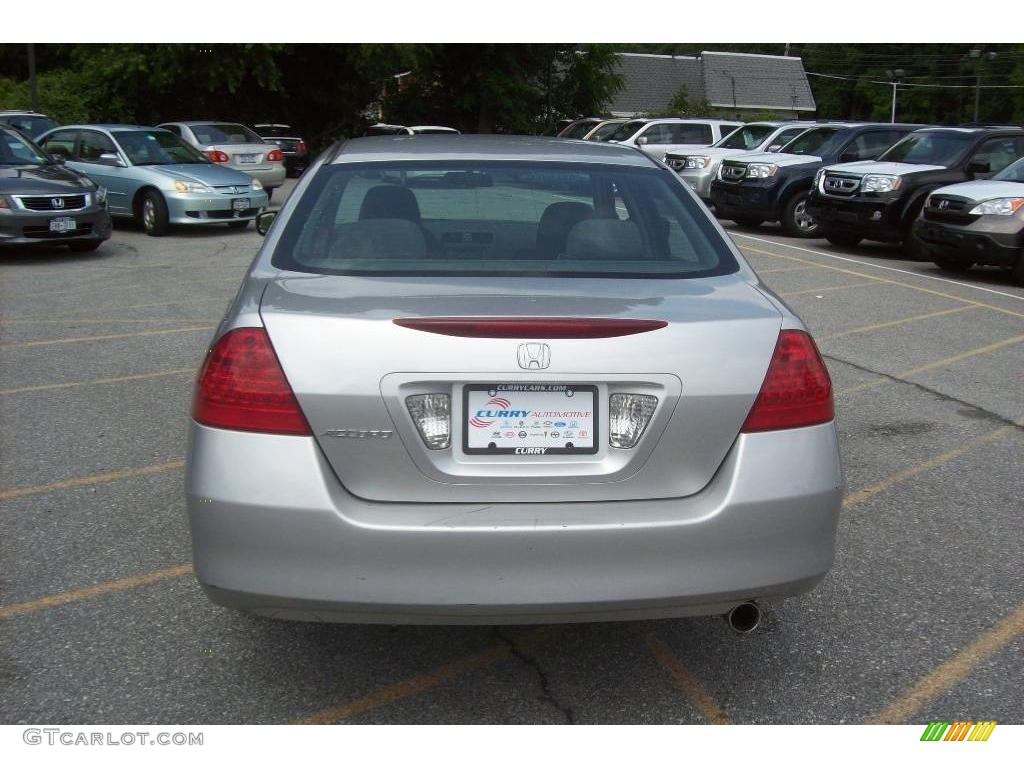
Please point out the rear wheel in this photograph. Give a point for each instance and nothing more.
(85, 246)
(238, 224)
(843, 239)
(153, 210)
(953, 265)
(796, 221)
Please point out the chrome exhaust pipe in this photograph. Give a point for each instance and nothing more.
(744, 618)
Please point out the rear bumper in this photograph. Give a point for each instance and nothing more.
(218, 209)
(874, 219)
(32, 227)
(274, 532)
(270, 178)
(992, 240)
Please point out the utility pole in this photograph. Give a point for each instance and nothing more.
(981, 56)
(32, 77)
(895, 78)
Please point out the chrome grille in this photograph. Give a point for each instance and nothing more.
(233, 189)
(840, 186)
(733, 172)
(53, 202)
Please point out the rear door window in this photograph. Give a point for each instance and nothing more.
(92, 144)
(690, 133)
(509, 219)
(998, 152)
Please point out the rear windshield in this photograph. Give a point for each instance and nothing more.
(627, 129)
(580, 129)
(509, 219)
(929, 148)
(224, 133)
(31, 125)
(747, 137)
(604, 133)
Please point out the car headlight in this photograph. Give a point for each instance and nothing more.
(100, 195)
(192, 186)
(880, 183)
(256, 185)
(761, 170)
(697, 161)
(1003, 206)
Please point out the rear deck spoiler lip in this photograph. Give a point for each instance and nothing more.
(530, 327)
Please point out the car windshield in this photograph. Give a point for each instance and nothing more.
(580, 129)
(747, 137)
(15, 149)
(813, 142)
(604, 132)
(929, 148)
(1012, 172)
(512, 219)
(224, 133)
(31, 125)
(157, 148)
(626, 130)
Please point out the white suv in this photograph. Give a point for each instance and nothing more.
(660, 135)
(698, 168)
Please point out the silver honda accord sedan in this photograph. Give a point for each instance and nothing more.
(507, 380)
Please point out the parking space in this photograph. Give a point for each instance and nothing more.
(100, 620)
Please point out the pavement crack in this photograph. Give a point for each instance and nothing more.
(990, 415)
(546, 695)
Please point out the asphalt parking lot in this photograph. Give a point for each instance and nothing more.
(921, 618)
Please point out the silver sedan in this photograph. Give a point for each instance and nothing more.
(507, 380)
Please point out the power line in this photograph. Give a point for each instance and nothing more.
(905, 85)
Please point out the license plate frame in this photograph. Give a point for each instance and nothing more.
(533, 444)
(249, 158)
(61, 225)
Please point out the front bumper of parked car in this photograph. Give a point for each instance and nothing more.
(213, 208)
(274, 532)
(756, 198)
(993, 240)
(872, 218)
(699, 180)
(23, 227)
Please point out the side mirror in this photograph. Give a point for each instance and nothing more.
(643, 140)
(111, 159)
(264, 220)
(978, 166)
(58, 159)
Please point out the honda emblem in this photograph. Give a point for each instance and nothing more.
(534, 356)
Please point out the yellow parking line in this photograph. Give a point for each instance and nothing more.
(937, 364)
(106, 337)
(951, 672)
(423, 682)
(73, 596)
(874, 489)
(684, 680)
(118, 307)
(891, 323)
(100, 284)
(114, 380)
(886, 280)
(827, 288)
(777, 270)
(99, 321)
(104, 477)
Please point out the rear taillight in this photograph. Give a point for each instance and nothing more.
(797, 390)
(275, 156)
(301, 148)
(242, 386)
(217, 156)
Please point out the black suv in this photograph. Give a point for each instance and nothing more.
(880, 200)
(775, 187)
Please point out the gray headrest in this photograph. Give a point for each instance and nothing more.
(379, 239)
(605, 239)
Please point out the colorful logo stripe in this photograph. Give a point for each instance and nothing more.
(958, 730)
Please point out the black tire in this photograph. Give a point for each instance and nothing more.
(239, 224)
(795, 220)
(747, 221)
(85, 247)
(721, 212)
(1017, 273)
(153, 213)
(952, 265)
(270, 192)
(843, 239)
